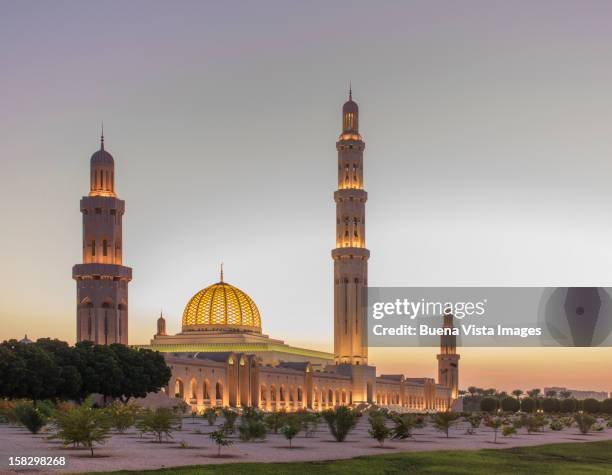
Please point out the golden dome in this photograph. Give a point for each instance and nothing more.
(221, 307)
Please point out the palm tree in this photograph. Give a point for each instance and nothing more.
(517, 393)
(534, 393)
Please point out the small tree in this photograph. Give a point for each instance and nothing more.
(341, 421)
(290, 429)
(275, 420)
(229, 420)
(378, 429)
(494, 423)
(252, 426)
(404, 424)
(309, 422)
(443, 421)
(29, 416)
(517, 393)
(162, 421)
(83, 425)
(585, 422)
(606, 406)
(474, 420)
(123, 416)
(219, 437)
(508, 431)
(210, 414)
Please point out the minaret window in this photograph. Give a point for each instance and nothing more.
(93, 247)
(104, 248)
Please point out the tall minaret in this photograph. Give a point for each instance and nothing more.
(102, 280)
(448, 359)
(350, 255)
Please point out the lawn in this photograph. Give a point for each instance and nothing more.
(579, 458)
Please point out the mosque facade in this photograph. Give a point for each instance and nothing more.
(221, 357)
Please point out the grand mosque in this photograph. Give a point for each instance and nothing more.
(222, 357)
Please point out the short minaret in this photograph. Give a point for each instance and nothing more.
(102, 280)
(350, 255)
(448, 359)
(161, 325)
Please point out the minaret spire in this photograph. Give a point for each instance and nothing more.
(102, 137)
(350, 254)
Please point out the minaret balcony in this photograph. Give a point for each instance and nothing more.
(350, 253)
(115, 271)
(350, 194)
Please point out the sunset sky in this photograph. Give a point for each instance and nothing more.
(488, 130)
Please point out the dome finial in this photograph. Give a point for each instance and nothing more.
(102, 137)
(221, 272)
(350, 91)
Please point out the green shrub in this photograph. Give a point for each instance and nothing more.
(123, 416)
(159, 422)
(557, 425)
(508, 431)
(585, 422)
(341, 421)
(229, 420)
(275, 420)
(83, 425)
(252, 426)
(404, 424)
(29, 416)
(309, 422)
(474, 420)
(443, 421)
(378, 429)
(597, 427)
(210, 414)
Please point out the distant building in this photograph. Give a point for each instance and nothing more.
(578, 394)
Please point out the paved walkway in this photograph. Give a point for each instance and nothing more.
(130, 451)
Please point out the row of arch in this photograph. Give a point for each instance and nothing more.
(193, 390)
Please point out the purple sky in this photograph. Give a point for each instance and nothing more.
(488, 128)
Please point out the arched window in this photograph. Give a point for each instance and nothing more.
(219, 391)
(299, 394)
(206, 389)
(262, 392)
(282, 394)
(194, 389)
(273, 393)
(104, 247)
(178, 389)
(330, 397)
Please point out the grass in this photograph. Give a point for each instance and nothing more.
(558, 459)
